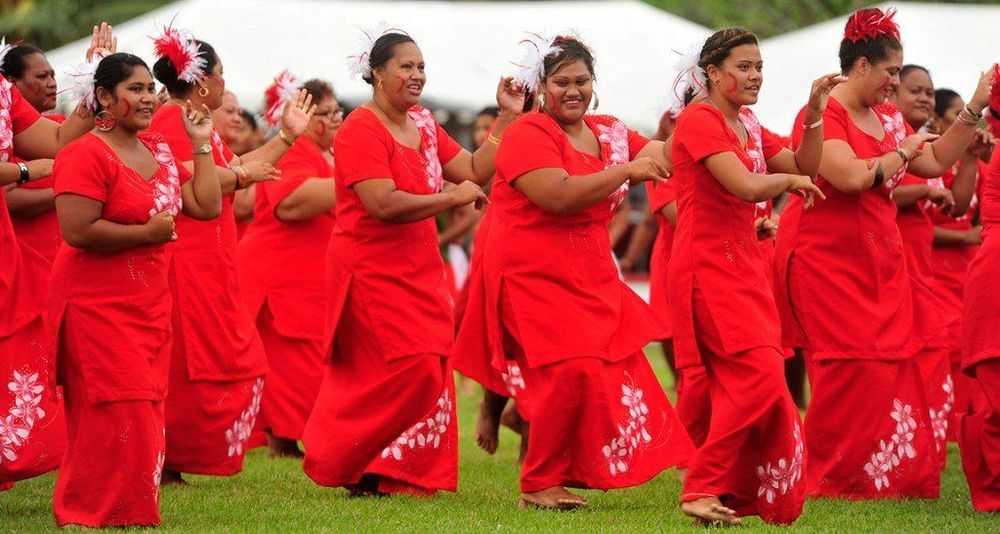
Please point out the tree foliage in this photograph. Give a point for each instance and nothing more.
(51, 23)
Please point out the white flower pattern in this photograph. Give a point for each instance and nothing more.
(780, 477)
(238, 434)
(614, 150)
(513, 379)
(899, 447)
(17, 424)
(895, 133)
(632, 432)
(425, 433)
(6, 127)
(166, 195)
(425, 122)
(939, 417)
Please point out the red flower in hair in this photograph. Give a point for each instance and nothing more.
(182, 51)
(871, 23)
(280, 91)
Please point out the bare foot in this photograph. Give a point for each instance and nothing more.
(710, 511)
(488, 422)
(511, 419)
(172, 478)
(283, 448)
(554, 498)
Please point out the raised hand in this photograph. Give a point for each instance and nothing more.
(298, 111)
(646, 169)
(982, 145)
(981, 98)
(510, 95)
(197, 123)
(820, 92)
(102, 42)
(160, 228)
(468, 193)
(804, 187)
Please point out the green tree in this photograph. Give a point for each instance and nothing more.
(51, 23)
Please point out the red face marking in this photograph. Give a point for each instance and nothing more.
(322, 128)
(885, 84)
(733, 85)
(128, 108)
(402, 84)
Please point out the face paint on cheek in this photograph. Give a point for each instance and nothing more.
(402, 84)
(322, 129)
(732, 85)
(128, 108)
(885, 84)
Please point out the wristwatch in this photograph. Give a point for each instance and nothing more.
(23, 178)
(203, 149)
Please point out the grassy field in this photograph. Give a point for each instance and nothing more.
(274, 495)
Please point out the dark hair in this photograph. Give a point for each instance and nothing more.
(250, 118)
(14, 63)
(319, 89)
(716, 50)
(570, 50)
(908, 68)
(383, 50)
(875, 50)
(492, 111)
(943, 99)
(166, 73)
(113, 70)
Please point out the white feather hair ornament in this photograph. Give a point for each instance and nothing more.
(4, 48)
(180, 47)
(82, 86)
(280, 92)
(531, 67)
(689, 76)
(359, 63)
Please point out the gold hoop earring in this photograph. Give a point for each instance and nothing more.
(104, 120)
(378, 83)
(203, 91)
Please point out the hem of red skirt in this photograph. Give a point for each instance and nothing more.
(206, 470)
(934, 494)
(109, 524)
(603, 484)
(969, 363)
(316, 476)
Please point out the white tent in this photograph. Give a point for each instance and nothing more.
(467, 45)
(955, 42)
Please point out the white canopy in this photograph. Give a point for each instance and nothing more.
(955, 42)
(467, 45)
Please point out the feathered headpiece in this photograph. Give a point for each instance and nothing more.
(871, 23)
(4, 48)
(690, 76)
(82, 86)
(359, 63)
(531, 67)
(281, 91)
(181, 49)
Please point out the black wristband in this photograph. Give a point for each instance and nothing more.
(23, 179)
(879, 176)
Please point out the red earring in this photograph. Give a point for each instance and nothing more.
(104, 120)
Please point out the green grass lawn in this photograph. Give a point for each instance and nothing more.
(274, 495)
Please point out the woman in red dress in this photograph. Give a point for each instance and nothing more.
(979, 428)
(218, 364)
(117, 193)
(32, 428)
(918, 201)
(721, 301)
(956, 240)
(846, 294)
(281, 261)
(563, 332)
(32, 206)
(384, 421)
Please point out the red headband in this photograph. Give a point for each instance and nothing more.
(871, 23)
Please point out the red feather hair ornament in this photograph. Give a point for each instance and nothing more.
(182, 50)
(871, 23)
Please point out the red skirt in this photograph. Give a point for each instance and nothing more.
(296, 371)
(935, 372)
(694, 403)
(208, 423)
(868, 432)
(110, 474)
(32, 426)
(753, 456)
(392, 419)
(979, 440)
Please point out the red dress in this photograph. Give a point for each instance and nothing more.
(725, 319)
(283, 276)
(565, 333)
(109, 321)
(847, 299)
(218, 364)
(386, 407)
(32, 430)
(660, 196)
(979, 429)
(917, 231)
(40, 232)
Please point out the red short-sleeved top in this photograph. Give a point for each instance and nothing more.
(219, 335)
(40, 232)
(715, 244)
(557, 270)
(23, 286)
(917, 231)
(120, 298)
(284, 262)
(394, 269)
(842, 275)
